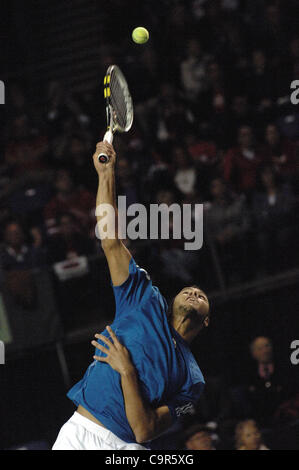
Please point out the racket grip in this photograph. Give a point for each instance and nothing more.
(102, 157)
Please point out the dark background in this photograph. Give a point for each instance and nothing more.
(71, 43)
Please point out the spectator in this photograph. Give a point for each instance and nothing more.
(273, 35)
(248, 436)
(227, 222)
(174, 262)
(79, 202)
(168, 115)
(198, 437)
(205, 156)
(69, 242)
(267, 383)
(261, 81)
(217, 87)
(56, 107)
(273, 210)
(17, 259)
(126, 181)
(83, 174)
(241, 163)
(158, 175)
(173, 38)
(185, 176)
(194, 71)
(16, 253)
(27, 148)
(279, 152)
(241, 114)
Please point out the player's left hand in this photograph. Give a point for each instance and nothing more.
(117, 355)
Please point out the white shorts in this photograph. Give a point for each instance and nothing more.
(79, 433)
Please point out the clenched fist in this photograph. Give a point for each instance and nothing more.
(104, 147)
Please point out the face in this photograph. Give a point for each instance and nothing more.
(200, 441)
(272, 135)
(20, 127)
(273, 14)
(251, 436)
(245, 136)
(194, 48)
(217, 188)
(180, 157)
(192, 304)
(258, 59)
(77, 147)
(262, 350)
(165, 197)
(240, 105)
(214, 72)
(67, 225)
(14, 235)
(123, 169)
(63, 182)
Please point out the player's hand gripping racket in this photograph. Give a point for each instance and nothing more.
(119, 106)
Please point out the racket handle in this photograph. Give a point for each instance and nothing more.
(108, 137)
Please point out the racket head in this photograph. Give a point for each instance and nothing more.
(119, 104)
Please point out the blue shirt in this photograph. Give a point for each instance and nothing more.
(167, 370)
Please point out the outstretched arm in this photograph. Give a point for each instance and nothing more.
(146, 423)
(118, 256)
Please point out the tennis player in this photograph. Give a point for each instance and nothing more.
(144, 375)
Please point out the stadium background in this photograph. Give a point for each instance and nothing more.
(213, 124)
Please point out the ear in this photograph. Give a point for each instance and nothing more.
(206, 321)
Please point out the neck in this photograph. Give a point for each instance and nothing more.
(220, 199)
(266, 363)
(16, 248)
(271, 189)
(185, 328)
(64, 194)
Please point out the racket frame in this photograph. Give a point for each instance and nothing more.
(112, 125)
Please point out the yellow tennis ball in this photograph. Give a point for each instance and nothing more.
(140, 35)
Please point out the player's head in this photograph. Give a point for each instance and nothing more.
(189, 312)
(64, 182)
(261, 350)
(198, 437)
(14, 234)
(248, 435)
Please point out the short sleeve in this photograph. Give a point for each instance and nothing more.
(135, 291)
(184, 403)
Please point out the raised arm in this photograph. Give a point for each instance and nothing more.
(146, 422)
(118, 257)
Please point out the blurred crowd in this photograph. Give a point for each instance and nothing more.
(214, 124)
(260, 412)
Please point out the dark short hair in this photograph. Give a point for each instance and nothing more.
(194, 429)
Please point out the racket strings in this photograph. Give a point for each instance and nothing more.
(119, 102)
(119, 105)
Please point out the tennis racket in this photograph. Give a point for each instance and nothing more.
(119, 106)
